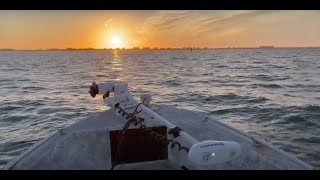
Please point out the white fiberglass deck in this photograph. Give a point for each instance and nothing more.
(85, 145)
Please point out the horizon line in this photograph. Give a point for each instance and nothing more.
(156, 48)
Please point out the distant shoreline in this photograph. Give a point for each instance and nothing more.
(144, 49)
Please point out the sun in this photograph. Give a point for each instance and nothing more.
(116, 41)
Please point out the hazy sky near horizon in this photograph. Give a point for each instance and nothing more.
(109, 29)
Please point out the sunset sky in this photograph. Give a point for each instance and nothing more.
(126, 29)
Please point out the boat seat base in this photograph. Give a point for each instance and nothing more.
(137, 145)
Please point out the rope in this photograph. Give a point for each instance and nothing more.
(162, 139)
(132, 118)
(138, 121)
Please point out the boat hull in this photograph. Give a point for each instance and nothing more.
(86, 145)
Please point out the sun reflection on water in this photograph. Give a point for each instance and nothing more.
(116, 61)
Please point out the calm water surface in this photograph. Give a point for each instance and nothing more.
(274, 93)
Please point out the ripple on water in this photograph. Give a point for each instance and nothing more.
(15, 118)
(271, 86)
(44, 90)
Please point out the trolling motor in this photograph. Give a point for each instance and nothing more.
(106, 88)
(207, 152)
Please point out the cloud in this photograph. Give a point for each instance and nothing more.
(189, 27)
(177, 26)
(108, 23)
